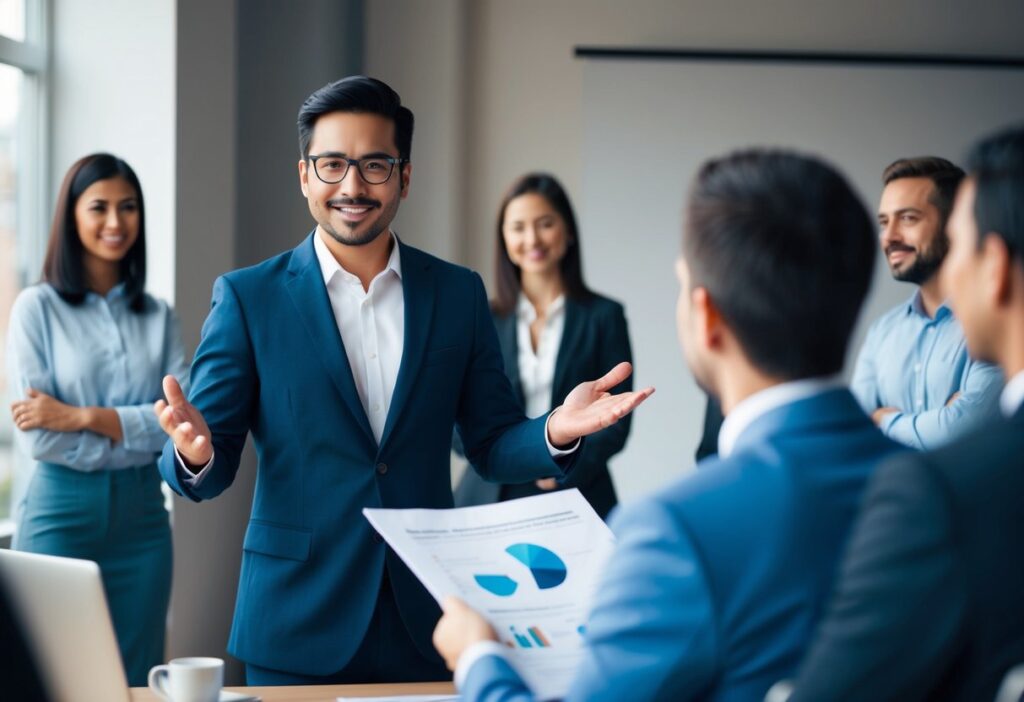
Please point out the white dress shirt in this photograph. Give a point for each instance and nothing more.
(761, 403)
(372, 328)
(537, 368)
(1013, 395)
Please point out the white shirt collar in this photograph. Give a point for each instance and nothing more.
(330, 267)
(1013, 395)
(761, 403)
(526, 311)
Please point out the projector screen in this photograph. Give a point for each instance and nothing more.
(676, 113)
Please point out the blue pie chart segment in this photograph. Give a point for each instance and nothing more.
(547, 568)
(500, 585)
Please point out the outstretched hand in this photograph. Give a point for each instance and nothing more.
(590, 407)
(459, 628)
(184, 424)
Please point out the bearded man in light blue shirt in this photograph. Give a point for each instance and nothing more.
(914, 375)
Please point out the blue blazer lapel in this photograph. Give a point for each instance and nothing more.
(418, 294)
(306, 286)
(568, 350)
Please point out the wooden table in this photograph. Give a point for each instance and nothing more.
(321, 693)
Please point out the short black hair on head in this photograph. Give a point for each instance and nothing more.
(997, 165)
(945, 175)
(357, 94)
(786, 251)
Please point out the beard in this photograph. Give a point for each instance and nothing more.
(926, 263)
(350, 235)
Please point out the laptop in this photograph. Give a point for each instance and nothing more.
(63, 612)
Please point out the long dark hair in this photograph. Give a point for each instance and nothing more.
(507, 274)
(62, 267)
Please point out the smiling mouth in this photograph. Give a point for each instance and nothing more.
(898, 252)
(353, 213)
(113, 239)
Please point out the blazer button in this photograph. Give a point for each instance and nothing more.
(382, 468)
(377, 538)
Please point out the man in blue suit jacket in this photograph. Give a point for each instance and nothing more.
(350, 359)
(717, 582)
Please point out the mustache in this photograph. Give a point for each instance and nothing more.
(353, 202)
(898, 247)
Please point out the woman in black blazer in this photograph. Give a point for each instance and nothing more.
(555, 333)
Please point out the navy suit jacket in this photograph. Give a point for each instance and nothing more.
(716, 583)
(271, 362)
(594, 339)
(929, 602)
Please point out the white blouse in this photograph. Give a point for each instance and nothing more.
(537, 369)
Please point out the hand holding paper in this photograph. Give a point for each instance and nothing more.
(521, 572)
(460, 627)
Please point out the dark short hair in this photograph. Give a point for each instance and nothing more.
(945, 175)
(507, 274)
(786, 251)
(357, 94)
(62, 266)
(997, 165)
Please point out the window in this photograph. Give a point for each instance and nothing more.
(22, 188)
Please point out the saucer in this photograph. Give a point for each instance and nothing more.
(228, 696)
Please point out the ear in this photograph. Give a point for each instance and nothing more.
(707, 320)
(406, 174)
(997, 264)
(304, 177)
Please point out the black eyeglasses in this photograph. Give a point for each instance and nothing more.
(375, 170)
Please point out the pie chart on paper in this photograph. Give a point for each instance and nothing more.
(547, 569)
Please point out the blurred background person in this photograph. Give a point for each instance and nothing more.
(913, 376)
(87, 348)
(554, 331)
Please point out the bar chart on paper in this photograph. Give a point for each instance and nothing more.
(533, 637)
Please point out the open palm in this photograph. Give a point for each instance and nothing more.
(590, 407)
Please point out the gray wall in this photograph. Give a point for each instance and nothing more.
(285, 52)
(244, 68)
(503, 76)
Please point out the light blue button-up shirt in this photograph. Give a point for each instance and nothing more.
(97, 354)
(916, 363)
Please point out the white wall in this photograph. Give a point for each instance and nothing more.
(113, 89)
(526, 88)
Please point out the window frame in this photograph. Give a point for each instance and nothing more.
(33, 57)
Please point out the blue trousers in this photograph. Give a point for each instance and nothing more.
(116, 518)
(387, 654)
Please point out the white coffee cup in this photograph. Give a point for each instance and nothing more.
(188, 679)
